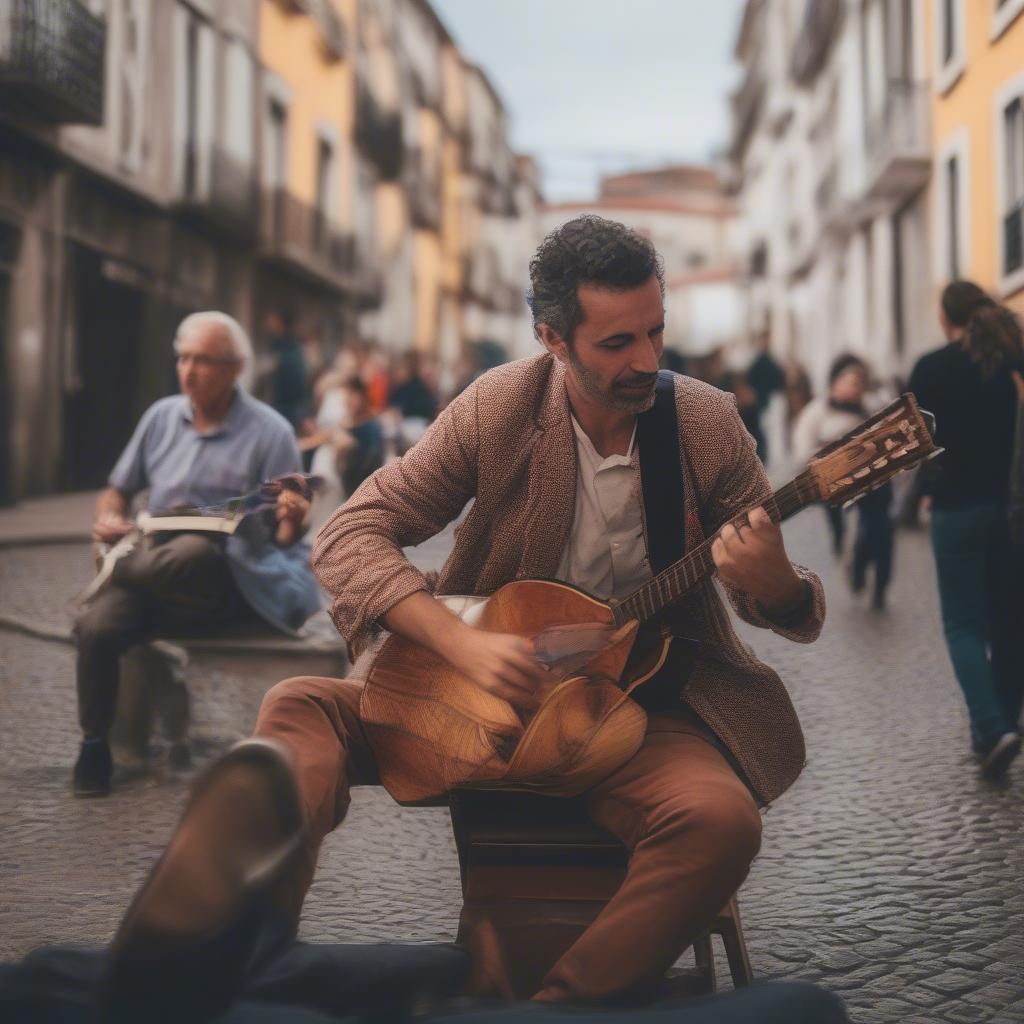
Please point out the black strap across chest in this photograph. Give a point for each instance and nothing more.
(661, 474)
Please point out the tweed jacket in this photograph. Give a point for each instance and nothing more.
(507, 442)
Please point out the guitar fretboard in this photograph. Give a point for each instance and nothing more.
(696, 565)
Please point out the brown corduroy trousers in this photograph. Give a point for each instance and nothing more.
(690, 822)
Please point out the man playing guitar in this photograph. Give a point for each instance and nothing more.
(547, 449)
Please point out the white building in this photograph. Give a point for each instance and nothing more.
(831, 153)
(685, 213)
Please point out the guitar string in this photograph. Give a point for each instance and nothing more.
(696, 564)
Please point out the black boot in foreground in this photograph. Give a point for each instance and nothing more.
(187, 941)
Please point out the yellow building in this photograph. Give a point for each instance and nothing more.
(308, 167)
(976, 53)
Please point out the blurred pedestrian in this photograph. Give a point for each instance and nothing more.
(359, 443)
(798, 390)
(766, 377)
(375, 371)
(969, 386)
(822, 421)
(289, 390)
(735, 381)
(412, 399)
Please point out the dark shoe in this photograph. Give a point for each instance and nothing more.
(878, 602)
(93, 769)
(190, 935)
(996, 757)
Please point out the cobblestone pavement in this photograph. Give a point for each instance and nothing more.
(889, 873)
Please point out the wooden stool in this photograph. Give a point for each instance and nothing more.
(536, 872)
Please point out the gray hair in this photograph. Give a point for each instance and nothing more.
(238, 338)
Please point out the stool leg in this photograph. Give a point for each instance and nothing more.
(704, 959)
(735, 947)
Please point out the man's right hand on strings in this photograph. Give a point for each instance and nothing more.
(501, 664)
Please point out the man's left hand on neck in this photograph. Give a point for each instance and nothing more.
(749, 554)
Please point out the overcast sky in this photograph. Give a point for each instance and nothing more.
(604, 85)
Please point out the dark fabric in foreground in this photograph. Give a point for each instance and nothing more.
(382, 984)
(777, 1003)
(307, 983)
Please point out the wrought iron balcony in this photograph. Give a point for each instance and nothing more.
(1013, 239)
(52, 60)
(378, 133)
(422, 180)
(898, 142)
(307, 241)
(228, 198)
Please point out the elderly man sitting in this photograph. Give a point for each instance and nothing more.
(211, 442)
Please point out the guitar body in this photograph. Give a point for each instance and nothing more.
(433, 729)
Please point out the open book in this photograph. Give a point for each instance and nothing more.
(190, 521)
(225, 516)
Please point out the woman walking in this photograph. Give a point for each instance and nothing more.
(969, 385)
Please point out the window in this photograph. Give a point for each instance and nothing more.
(195, 77)
(237, 135)
(324, 176)
(275, 161)
(950, 44)
(1004, 13)
(191, 104)
(276, 144)
(1009, 184)
(951, 208)
(952, 171)
(948, 30)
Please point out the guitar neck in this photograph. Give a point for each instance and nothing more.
(696, 565)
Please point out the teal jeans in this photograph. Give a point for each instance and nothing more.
(980, 589)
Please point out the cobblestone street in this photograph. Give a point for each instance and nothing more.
(889, 873)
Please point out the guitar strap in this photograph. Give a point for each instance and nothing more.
(661, 474)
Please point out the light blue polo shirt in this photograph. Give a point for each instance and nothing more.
(181, 466)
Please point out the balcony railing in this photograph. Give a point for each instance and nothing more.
(1013, 239)
(898, 142)
(51, 60)
(229, 198)
(821, 19)
(305, 239)
(422, 180)
(378, 133)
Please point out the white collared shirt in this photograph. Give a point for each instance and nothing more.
(605, 554)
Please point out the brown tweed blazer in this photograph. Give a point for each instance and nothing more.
(507, 441)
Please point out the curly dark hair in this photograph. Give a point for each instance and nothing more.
(586, 250)
(993, 339)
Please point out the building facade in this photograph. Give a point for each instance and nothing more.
(831, 156)
(158, 157)
(976, 53)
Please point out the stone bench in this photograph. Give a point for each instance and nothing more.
(159, 686)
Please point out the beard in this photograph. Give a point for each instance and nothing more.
(621, 395)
